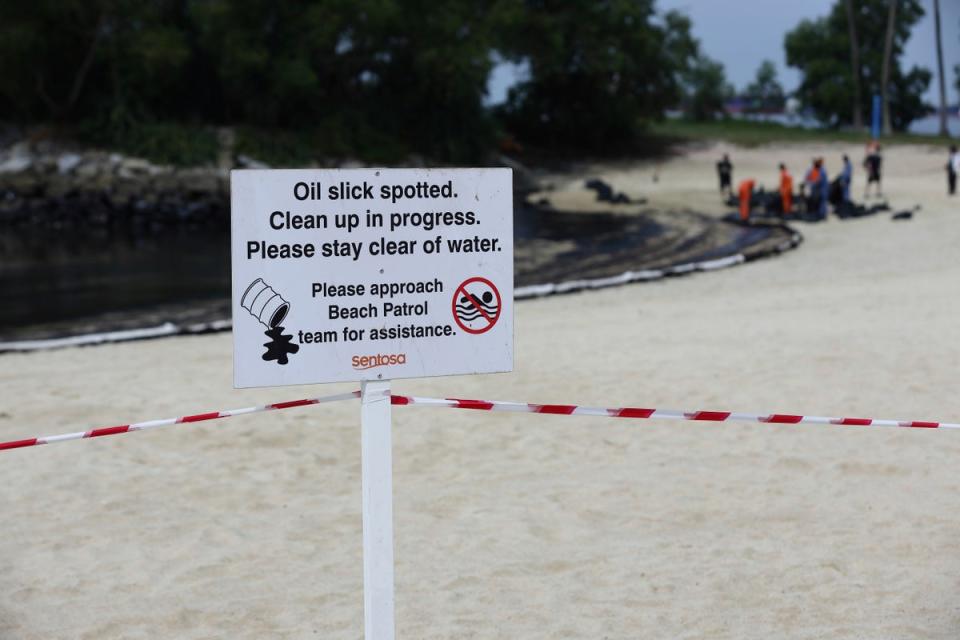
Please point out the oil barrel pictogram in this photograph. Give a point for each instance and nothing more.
(476, 305)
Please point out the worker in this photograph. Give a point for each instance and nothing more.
(746, 193)
(810, 182)
(819, 188)
(786, 190)
(725, 173)
(846, 177)
(824, 190)
(873, 164)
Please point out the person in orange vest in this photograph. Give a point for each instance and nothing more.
(746, 192)
(786, 190)
(818, 187)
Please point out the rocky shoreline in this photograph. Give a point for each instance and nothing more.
(53, 185)
(44, 185)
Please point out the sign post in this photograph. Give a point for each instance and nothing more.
(377, 478)
(371, 275)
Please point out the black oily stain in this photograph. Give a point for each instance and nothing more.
(280, 345)
(598, 244)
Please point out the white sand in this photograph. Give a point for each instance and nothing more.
(521, 526)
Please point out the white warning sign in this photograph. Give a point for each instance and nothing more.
(366, 274)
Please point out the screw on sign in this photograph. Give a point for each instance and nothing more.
(476, 305)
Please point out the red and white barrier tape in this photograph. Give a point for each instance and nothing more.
(662, 414)
(153, 424)
(490, 405)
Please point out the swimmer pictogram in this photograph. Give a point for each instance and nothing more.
(476, 305)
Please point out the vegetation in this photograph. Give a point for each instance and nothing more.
(380, 80)
(598, 71)
(765, 94)
(410, 76)
(706, 89)
(751, 134)
(374, 78)
(821, 50)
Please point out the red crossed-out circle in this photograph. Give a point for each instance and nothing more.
(462, 291)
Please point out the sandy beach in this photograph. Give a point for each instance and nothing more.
(526, 526)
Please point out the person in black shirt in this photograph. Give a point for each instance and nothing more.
(872, 164)
(725, 172)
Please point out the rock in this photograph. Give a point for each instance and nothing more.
(101, 182)
(67, 162)
(166, 181)
(126, 189)
(133, 167)
(58, 186)
(246, 162)
(524, 179)
(198, 181)
(16, 163)
(24, 183)
(88, 171)
(227, 140)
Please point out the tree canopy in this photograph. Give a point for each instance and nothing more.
(346, 75)
(820, 49)
(598, 70)
(765, 93)
(411, 73)
(706, 89)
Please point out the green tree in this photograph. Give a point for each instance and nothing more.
(375, 78)
(820, 49)
(66, 60)
(397, 74)
(765, 93)
(706, 89)
(389, 74)
(428, 85)
(598, 70)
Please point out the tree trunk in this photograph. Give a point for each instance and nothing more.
(855, 67)
(943, 91)
(60, 110)
(887, 53)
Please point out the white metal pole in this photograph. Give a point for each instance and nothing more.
(377, 471)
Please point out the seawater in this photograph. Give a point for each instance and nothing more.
(52, 276)
(68, 281)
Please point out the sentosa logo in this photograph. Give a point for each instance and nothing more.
(378, 360)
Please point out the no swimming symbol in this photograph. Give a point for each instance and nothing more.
(476, 305)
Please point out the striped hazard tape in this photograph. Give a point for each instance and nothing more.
(166, 422)
(662, 414)
(493, 405)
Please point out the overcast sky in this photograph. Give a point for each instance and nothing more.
(741, 33)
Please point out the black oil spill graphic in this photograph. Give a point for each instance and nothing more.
(279, 346)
